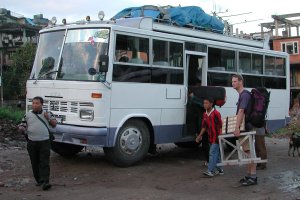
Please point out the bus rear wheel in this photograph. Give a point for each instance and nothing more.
(64, 149)
(132, 144)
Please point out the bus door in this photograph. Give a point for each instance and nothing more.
(196, 72)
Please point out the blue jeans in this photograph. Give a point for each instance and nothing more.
(214, 158)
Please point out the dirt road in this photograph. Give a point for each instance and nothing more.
(174, 173)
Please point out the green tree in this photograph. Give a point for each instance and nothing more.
(14, 78)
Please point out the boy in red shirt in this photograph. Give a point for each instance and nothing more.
(212, 124)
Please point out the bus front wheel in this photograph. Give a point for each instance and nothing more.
(132, 144)
(64, 149)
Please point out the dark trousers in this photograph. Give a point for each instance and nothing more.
(39, 153)
(260, 148)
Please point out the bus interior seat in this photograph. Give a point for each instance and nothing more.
(218, 68)
(269, 72)
(280, 72)
(137, 61)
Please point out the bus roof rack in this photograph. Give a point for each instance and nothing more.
(147, 23)
(180, 16)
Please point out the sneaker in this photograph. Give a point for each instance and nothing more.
(208, 173)
(46, 186)
(216, 172)
(245, 178)
(250, 181)
(221, 171)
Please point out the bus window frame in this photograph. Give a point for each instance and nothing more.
(150, 64)
(251, 62)
(223, 48)
(168, 40)
(131, 35)
(204, 69)
(262, 76)
(275, 56)
(238, 61)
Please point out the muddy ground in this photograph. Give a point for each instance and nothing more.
(175, 173)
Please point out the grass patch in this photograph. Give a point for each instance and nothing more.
(13, 114)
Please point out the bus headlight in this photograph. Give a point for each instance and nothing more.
(86, 114)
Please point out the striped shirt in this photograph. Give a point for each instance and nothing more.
(212, 122)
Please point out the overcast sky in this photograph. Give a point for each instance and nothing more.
(74, 10)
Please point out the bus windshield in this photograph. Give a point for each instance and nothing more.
(47, 54)
(81, 52)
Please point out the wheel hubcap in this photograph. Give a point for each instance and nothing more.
(131, 140)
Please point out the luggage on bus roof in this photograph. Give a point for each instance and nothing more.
(181, 16)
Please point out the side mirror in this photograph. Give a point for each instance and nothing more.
(103, 63)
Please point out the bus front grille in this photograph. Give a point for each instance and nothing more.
(64, 106)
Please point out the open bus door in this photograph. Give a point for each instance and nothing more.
(195, 77)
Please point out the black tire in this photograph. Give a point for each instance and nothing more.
(191, 144)
(64, 149)
(125, 154)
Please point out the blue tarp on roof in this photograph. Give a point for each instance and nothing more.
(137, 12)
(181, 16)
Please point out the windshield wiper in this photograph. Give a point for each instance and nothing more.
(50, 72)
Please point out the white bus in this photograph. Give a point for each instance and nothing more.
(123, 85)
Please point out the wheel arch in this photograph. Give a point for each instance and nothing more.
(144, 118)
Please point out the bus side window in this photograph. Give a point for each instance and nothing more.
(167, 53)
(132, 49)
(160, 52)
(121, 49)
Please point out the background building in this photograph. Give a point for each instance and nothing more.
(15, 30)
(284, 36)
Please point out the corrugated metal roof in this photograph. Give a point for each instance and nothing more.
(30, 21)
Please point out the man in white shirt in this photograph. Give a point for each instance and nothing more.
(35, 125)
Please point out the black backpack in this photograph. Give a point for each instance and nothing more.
(260, 102)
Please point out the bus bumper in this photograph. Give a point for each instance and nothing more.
(79, 135)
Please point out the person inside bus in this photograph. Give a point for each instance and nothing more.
(195, 114)
(260, 147)
(124, 58)
(48, 64)
(135, 58)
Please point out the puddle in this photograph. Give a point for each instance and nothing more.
(288, 181)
